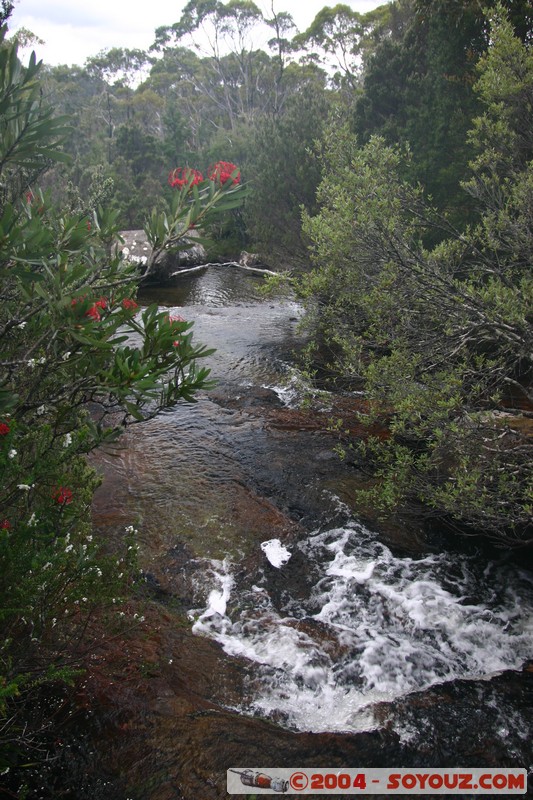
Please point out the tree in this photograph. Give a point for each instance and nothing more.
(441, 337)
(286, 173)
(418, 90)
(6, 9)
(339, 32)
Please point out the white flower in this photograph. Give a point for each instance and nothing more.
(41, 360)
(68, 548)
(40, 411)
(170, 660)
(31, 363)
(12, 453)
(32, 522)
(24, 487)
(66, 355)
(54, 622)
(67, 440)
(22, 324)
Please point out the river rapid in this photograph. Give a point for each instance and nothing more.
(283, 628)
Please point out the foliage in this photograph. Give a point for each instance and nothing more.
(287, 174)
(196, 204)
(6, 10)
(441, 337)
(418, 91)
(339, 31)
(80, 360)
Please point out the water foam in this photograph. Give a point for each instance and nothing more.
(373, 627)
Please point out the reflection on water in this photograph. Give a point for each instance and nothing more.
(255, 338)
(217, 286)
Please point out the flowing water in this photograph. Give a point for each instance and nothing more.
(244, 516)
(372, 627)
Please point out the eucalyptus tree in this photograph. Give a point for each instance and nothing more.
(338, 32)
(6, 9)
(232, 62)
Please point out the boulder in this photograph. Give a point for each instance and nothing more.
(136, 249)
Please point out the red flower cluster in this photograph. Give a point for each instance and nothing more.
(129, 305)
(184, 176)
(5, 525)
(4, 428)
(224, 171)
(62, 496)
(94, 311)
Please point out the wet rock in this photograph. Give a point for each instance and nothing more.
(172, 734)
(137, 250)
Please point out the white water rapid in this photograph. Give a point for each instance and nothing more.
(372, 627)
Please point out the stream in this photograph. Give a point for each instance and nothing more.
(292, 631)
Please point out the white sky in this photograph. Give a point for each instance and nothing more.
(73, 30)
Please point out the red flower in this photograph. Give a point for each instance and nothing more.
(62, 496)
(129, 305)
(4, 428)
(224, 171)
(184, 176)
(5, 525)
(93, 313)
(89, 226)
(175, 318)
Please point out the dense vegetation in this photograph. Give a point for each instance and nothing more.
(79, 362)
(433, 316)
(390, 163)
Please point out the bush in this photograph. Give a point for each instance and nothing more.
(79, 362)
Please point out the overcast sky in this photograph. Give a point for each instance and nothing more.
(73, 30)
